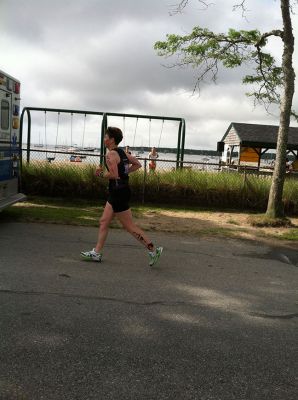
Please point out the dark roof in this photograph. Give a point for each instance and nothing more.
(261, 135)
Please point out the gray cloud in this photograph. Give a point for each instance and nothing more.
(98, 55)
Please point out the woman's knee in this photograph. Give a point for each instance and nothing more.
(104, 223)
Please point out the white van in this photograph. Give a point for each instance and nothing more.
(10, 143)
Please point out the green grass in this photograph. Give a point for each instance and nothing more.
(64, 180)
(34, 212)
(70, 212)
(233, 222)
(87, 213)
(289, 235)
(62, 211)
(264, 221)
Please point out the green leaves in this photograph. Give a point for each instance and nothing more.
(204, 46)
(206, 50)
(249, 37)
(201, 41)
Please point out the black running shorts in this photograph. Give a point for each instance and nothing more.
(119, 198)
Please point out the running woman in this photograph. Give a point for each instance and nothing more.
(119, 165)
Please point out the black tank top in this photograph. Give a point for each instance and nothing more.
(123, 167)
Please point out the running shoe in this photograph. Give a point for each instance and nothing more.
(154, 256)
(91, 255)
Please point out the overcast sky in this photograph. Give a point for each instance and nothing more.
(98, 55)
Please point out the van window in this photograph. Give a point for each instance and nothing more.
(4, 114)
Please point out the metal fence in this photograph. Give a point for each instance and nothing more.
(77, 158)
(201, 183)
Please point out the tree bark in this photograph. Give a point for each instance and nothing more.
(275, 208)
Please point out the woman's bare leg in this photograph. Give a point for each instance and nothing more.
(104, 222)
(126, 220)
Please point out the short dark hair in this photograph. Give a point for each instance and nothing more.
(114, 133)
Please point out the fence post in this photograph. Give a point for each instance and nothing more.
(244, 175)
(28, 131)
(179, 145)
(104, 125)
(182, 143)
(244, 199)
(144, 180)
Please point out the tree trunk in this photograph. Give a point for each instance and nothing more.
(275, 208)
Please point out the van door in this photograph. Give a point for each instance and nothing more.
(8, 183)
(5, 135)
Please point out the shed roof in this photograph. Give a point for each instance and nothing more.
(265, 136)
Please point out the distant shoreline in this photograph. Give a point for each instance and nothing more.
(146, 149)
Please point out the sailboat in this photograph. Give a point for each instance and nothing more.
(39, 142)
(141, 151)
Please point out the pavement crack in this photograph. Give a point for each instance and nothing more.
(100, 298)
(275, 316)
(138, 303)
(290, 258)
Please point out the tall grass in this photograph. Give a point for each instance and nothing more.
(64, 180)
(181, 187)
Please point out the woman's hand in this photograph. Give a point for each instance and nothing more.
(99, 171)
(134, 163)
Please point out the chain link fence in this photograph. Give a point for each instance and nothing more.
(205, 183)
(79, 158)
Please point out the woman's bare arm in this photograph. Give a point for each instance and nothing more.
(134, 163)
(112, 160)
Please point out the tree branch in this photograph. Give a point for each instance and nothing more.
(178, 8)
(264, 36)
(242, 7)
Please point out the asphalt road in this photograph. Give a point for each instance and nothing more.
(216, 319)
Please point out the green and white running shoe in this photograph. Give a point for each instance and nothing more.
(154, 255)
(91, 255)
